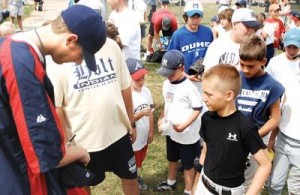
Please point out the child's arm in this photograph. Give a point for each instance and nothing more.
(144, 112)
(127, 99)
(273, 136)
(203, 154)
(182, 126)
(161, 116)
(201, 161)
(73, 154)
(262, 172)
(151, 130)
(272, 123)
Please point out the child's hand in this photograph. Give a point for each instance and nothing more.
(271, 145)
(194, 78)
(146, 111)
(179, 127)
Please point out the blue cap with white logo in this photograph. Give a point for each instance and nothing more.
(172, 60)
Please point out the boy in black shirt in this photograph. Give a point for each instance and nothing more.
(229, 137)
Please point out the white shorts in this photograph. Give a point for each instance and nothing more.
(16, 10)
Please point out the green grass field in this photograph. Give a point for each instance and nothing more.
(155, 166)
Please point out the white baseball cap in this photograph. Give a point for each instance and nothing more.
(245, 16)
(222, 8)
(193, 7)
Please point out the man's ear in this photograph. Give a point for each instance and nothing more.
(71, 39)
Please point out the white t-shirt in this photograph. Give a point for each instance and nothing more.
(129, 30)
(92, 101)
(140, 7)
(269, 28)
(180, 99)
(222, 50)
(288, 74)
(141, 100)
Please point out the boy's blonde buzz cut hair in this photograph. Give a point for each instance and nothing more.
(227, 75)
(253, 48)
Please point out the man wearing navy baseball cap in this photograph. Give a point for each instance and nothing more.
(90, 31)
(32, 139)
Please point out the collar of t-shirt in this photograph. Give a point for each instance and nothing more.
(22, 37)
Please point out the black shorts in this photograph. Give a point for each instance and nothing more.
(143, 29)
(117, 158)
(165, 33)
(186, 153)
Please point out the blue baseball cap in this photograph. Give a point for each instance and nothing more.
(193, 7)
(242, 3)
(87, 24)
(136, 68)
(292, 37)
(172, 60)
(214, 19)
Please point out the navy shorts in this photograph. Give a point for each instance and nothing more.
(117, 158)
(186, 153)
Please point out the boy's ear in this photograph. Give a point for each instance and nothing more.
(230, 95)
(263, 62)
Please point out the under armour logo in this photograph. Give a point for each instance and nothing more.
(138, 66)
(232, 137)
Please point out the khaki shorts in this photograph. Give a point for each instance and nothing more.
(16, 10)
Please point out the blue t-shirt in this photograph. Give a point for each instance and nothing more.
(257, 95)
(192, 44)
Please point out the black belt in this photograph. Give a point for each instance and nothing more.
(212, 189)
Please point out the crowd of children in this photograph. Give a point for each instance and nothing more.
(223, 126)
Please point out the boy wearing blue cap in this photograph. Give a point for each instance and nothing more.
(196, 40)
(143, 108)
(285, 69)
(31, 137)
(179, 121)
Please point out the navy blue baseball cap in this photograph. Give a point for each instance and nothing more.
(136, 68)
(172, 60)
(87, 24)
(76, 175)
(241, 3)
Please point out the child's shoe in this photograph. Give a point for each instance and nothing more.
(164, 186)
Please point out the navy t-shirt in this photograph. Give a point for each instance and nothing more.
(257, 95)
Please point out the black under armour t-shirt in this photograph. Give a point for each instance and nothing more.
(229, 141)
